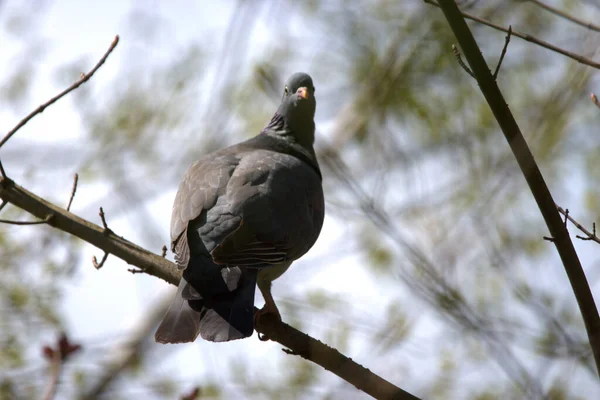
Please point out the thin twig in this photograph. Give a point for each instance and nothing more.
(106, 231)
(40, 222)
(55, 370)
(2, 172)
(595, 100)
(75, 179)
(84, 78)
(589, 235)
(464, 66)
(103, 218)
(564, 15)
(95, 261)
(164, 249)
(593, 236)
(57, 356)
(528, 38)
(137, 270)
(506, 41)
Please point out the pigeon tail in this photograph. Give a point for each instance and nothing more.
(215, 302)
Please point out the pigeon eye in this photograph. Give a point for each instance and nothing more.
(286, 91)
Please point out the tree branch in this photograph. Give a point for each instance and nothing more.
(57, 356)
(524, 36)
(68, 222)
(84, 78)
(531, 172)
(566, 16)
(153, 264)
(589, 235)
(73, 190)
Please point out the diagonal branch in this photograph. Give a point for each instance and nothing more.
(73, 190)
(530, 170)
(91, 233)
(153, 264)
(525, 36)
(566, 16)
(84, 78)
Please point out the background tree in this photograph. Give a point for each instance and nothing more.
(431, 269)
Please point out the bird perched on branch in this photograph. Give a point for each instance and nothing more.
(241, 216)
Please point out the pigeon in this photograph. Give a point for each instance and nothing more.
(241, 216)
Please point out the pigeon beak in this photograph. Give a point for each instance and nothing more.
(302, 92)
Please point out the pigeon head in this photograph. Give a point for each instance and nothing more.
(294, 118)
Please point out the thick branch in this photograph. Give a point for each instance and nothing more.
(329, 358)
(153, 264)
(66, 221)
(531, 172)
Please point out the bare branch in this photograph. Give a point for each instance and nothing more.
(136, 270)
(84, 78)
(564, 15)
(106, 231)
(529, 38)
(57, 356)
(104, 224)
(43, 221)
(154, 264)
(530, 170)
(97, 264)
(164, 249)
(91, 233)
(589, 235)
(329, 358)
(75, 179)
(55, 372)
(2, 172)
(458, 57)
(506, 41)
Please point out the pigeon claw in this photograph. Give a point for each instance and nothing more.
(269, 311)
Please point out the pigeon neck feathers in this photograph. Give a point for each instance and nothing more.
(294, 119)
(304, 134)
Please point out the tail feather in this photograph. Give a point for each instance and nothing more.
(233, 318)
(181, 323)
(217, 317)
